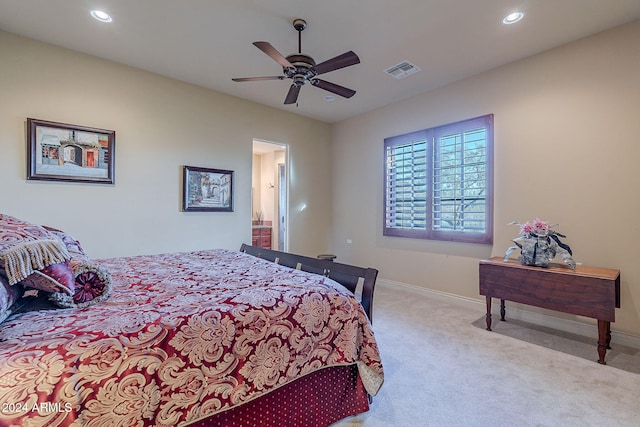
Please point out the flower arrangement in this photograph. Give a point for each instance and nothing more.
(534, 228)
(539, 243)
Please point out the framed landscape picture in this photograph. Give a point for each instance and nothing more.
(63, 152)
(209, 190)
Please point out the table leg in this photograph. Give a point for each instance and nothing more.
(502, 310)
(604, 333)
(488, 318)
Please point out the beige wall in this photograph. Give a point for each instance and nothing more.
(567, 150)
(268, 172)
(161, 124)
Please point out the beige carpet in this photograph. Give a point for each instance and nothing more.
(619, 356)
(443, 369)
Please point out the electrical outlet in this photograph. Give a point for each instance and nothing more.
(349, 241)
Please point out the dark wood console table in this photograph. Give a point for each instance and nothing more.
(586, 291)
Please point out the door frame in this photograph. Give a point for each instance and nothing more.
(261, 146)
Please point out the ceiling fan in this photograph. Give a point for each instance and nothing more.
(301, 68)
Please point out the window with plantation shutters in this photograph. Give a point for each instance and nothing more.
(406, 185)
(438, 183)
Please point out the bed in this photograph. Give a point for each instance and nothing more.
(202, 338)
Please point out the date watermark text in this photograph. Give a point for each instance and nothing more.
(40, 407)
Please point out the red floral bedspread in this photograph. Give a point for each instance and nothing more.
(183, 336)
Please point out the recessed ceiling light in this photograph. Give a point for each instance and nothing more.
(329, 98)
(101, 16)
(512, 18)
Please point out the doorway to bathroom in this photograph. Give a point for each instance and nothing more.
(269, 199)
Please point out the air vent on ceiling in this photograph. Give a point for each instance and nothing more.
(402, 70)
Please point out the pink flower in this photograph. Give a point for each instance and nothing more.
(535, 227)
(526, 229)
(541, 227)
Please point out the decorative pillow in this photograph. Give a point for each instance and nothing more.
(26, 248)
(92, 285)
(8, 296)
(53, 278)
(73, 245)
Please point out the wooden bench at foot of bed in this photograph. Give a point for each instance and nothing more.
(347, 275)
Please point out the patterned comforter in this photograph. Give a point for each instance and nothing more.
(183, 336)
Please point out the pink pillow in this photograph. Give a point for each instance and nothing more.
(53, 278)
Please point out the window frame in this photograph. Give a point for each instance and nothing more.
(429, 135)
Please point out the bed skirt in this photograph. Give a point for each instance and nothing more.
(318, 399)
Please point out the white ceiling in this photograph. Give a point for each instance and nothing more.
(207, 42)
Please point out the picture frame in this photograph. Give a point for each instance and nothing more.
(65, 152)
(207, 190)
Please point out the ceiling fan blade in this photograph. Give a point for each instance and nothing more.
(345, 60)
(334, 88)
(255, 79)
(292, 95)
(273, 53)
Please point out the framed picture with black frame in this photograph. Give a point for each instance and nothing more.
(64, 152)
(207, 190)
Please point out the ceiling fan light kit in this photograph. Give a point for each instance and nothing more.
(301, 68)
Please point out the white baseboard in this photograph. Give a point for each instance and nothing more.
(571, 326)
